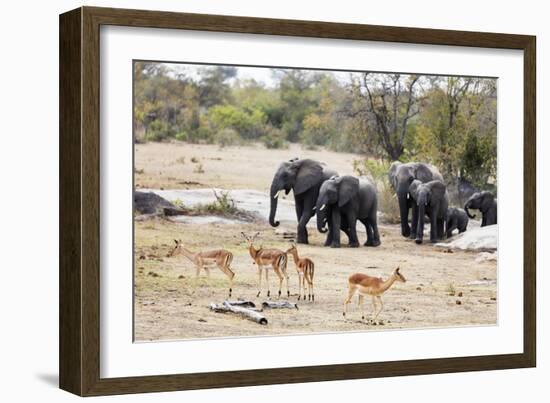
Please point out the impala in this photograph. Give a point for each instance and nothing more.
(305, 268)
(268, 259)
(220, 258)
(373, 286)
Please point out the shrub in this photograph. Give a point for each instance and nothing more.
(228, 137)
(274, 138)
(224, 205)
(157, 130)
(377, 172)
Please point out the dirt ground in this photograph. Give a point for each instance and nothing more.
(442, 289)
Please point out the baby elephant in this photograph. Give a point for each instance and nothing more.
(456, 219)
(430, 199)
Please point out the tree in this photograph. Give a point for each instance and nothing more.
(386, 103)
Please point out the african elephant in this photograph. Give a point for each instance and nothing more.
(304, 177)
(431, 198)
(348, 199)
(400, 176)
(486, 203)
(456, 219)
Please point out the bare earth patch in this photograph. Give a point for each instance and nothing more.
(443, 288)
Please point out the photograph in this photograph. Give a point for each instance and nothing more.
(279, 201)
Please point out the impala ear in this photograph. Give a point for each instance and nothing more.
(397, 270)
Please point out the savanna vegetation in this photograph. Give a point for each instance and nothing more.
(447, 121)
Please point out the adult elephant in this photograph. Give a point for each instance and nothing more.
(348, 199)
(401, 176)
(304, 177)
(486, 203)
(431, 198)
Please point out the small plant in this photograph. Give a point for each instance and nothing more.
(194, 160)
(178, 203)
(181, 160)
(451, 290)
(139, 171)
(199, 169)
(224, 205)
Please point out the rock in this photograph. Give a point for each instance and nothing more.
(152, 203)
(476, 239)
(458, 302)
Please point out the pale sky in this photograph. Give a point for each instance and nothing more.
(262, 75)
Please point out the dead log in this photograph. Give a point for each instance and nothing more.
(249, 313)
(279, 305)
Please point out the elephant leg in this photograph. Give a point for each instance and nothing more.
(433, 225)
(328, 241)
(373, 224)
(302, 221)
(336, 220)
(307, 213)
(353, 240)
(440, 228)
(344, 226)
(483, 220)
(368, 230)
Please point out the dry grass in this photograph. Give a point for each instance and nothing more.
(171, 303)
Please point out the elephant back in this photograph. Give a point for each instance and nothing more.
(368, 197)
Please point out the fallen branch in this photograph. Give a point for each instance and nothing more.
(237, 308)
(279, 305)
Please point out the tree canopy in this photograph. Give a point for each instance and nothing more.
(445, 120)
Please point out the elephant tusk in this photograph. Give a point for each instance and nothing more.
(277, 194)
(322, 207)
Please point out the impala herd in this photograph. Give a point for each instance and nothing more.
(268, 259)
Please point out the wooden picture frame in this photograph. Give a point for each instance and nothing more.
(79, 346)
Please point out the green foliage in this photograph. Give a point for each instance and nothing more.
(447, 121)
(224, 205)
(274, 138)
(377, 172)
(250, 124)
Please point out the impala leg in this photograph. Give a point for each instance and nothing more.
(348, 300)
(259, 280)
(362, 306)
(197, 270)
(379, 299)
(286, 283)
(299, 285)
(267, 281)
(374, 315)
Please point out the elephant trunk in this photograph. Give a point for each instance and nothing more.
(273, 206)
(420, 228)
(466, 207)
(321, 220)
(404, 213)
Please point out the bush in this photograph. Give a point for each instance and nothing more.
(249, 123)
(157, 130)
(228, 137)
(182, 136)
(224, 205)
(377, 172)
(274, 139)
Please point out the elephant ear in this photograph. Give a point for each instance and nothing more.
(309, 174)
(487, 200)
(348, 187)
(423, 173)
(413, 188)
(392, 174)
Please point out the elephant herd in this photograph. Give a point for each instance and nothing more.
(340, 201)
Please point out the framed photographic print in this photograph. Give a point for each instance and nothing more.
(236, 190)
